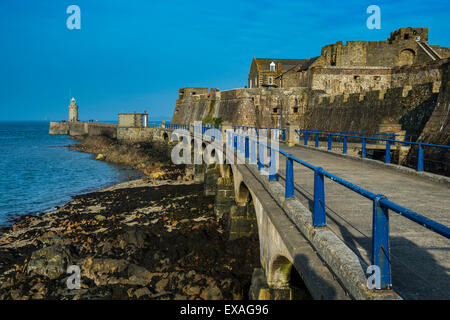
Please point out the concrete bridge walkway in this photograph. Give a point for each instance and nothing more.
(420, 258)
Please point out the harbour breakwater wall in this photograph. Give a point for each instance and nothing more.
(80, 128)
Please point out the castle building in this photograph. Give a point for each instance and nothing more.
(73, 111)
(264, 71)
(360, 66)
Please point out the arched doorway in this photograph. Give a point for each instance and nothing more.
(406, 57)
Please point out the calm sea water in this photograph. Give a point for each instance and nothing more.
(37, 171)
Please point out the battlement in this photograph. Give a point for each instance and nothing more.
(416, 34)
(391, 94)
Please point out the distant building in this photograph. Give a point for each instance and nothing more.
(264, 71)
(73, 111)
(133, 120)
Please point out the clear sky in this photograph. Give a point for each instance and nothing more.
(135, 54)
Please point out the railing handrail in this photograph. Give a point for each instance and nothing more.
(375, 139)
(369, 133)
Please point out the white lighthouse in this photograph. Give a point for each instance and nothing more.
(73, 111)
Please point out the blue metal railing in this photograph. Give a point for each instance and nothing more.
(280, 133)
(178, 126)
(343, 138)
(381, 204)
(369, 135)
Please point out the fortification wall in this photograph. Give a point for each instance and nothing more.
(253, 107)
(375, 53)
(192, 108)
(411, 106)
(437, 131)
(338, 80)
(417, 74)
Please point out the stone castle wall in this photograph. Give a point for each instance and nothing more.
(410, 106)
(437, 130)
(254, 107)
(376, 53)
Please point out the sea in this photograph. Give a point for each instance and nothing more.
(38, 172)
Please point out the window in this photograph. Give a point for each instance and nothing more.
(270, 80)
(272, 66)
(275, 110)
(295, 110)
(356, 77)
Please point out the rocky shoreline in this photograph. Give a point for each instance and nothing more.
(151, 238)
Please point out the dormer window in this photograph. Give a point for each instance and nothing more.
(272, 66)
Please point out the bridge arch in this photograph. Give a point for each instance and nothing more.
(243, 195)
(280, 270)
(225, 171)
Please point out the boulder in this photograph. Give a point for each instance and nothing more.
(50, 261)
(102, 271)
(138, 275)
(161, 285)
(212, 292)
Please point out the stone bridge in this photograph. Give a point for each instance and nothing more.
(300, 261)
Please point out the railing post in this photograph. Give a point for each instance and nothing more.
(273, 176)
(317, 140)
(241, 144)
(261, 157)
(380, 242)
(420, 158)
(319, 218)
(284, 135)
(363, 149)
(387, 158)
(344, 147)
(329, 142)
(252, 151)
(306, 137)
(247, 149)
(289, 192)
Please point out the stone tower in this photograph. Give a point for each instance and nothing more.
(73, 111)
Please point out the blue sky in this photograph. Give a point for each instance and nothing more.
(135, 54)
